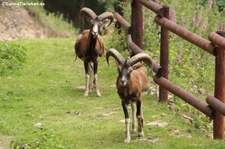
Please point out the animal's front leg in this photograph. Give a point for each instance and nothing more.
(91, 80)
(140, 119)
(96, 79)
(127, 123)
(87, 77)
(133, 117)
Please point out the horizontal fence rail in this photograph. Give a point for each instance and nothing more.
(195, 102)
(152, 6)
(216, 104)
(185, 34)
(122, 21)
(217, 39)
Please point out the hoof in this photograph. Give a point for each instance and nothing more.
(141, 134)
(85, 94)
(133, 131)
(90, 92)
(98, 93)
(127, 140)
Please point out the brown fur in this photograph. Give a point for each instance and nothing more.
(83, 47)
(137, 83)
(132, 93)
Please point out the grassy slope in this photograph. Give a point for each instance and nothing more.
(47, 90)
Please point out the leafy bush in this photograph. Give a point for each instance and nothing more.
(12, 56)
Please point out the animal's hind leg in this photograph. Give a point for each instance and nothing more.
(140, 119)
(133, 117)
(87, 77)
(96, 79)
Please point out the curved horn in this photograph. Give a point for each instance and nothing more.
(138, 58)
(88, 12)
(114, 53)
(107, 15)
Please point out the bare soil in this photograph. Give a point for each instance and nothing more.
(18, 22)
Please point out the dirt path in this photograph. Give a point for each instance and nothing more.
(17, 22)
(5, 142)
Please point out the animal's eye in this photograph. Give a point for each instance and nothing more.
(130, 69)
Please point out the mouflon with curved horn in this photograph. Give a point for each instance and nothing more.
(132, 80)
(89, 46)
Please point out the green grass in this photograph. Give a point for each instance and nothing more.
(48, 91)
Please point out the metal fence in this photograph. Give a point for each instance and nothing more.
(214, 107)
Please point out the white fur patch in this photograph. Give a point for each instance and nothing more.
(95, 28)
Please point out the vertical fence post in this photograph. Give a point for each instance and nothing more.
(137, 23)
(218, 122)
(164, 55)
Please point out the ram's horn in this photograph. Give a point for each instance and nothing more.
(138, 58)
(114, 53)
(107, 15)
(87, 12)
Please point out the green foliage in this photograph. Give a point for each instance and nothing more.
(219, 3)
(118, 38)
(42, 138)
(12, 56)
(109, 5)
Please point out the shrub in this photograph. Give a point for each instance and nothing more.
(12, 56)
